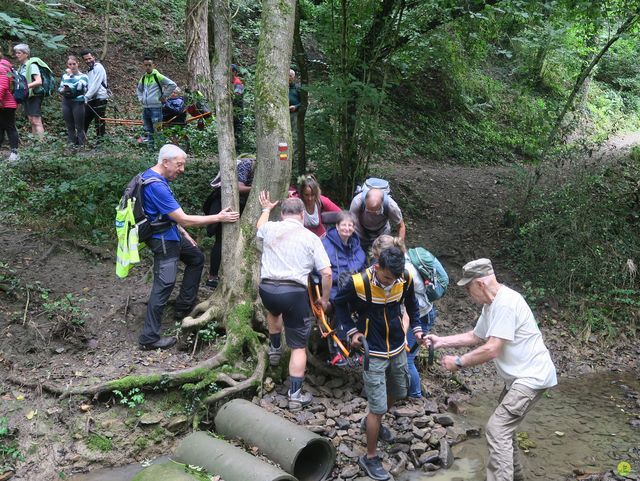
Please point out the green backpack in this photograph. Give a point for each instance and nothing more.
(49, 83)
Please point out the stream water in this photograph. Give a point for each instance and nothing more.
(583, 425)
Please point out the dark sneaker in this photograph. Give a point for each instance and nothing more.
(275, 353)
(299, 399)
(384, 434)
(162, 343)
(373, 467)
(212, 283)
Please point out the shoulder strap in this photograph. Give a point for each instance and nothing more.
(367, 284)
(407, 279)
(155, 77)
(362, 284)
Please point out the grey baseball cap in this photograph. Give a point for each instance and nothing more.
(474, 270)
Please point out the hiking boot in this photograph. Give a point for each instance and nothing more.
(299, 399)
(384, 433)
(275, 353)
(212, 283)
(373, 467)
(162, 343)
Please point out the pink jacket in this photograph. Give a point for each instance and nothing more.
(6, 97)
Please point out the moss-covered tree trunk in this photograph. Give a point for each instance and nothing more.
(197, 40)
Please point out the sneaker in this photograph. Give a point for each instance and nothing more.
(384, 433)
(212, 283)
(373, 467)
(275, 354)
(162, 343)
(299, 399)
(14, 157)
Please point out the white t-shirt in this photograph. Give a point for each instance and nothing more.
(290, 251)
(524, 358)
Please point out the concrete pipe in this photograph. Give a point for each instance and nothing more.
(306, 455)
(221, 458)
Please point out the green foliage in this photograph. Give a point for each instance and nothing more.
(97, 442)
(579, 241)
(10, 453)
(133, 398)
(75, 194)
(31, 21)
(64, 310)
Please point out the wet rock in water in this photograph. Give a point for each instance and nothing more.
(443, 420)
(349, 471)
(446, 455)
(177, 423)
(149, 419)
(456, 434)
(436, 435)
(473, 431)
(430, 467)
(432, 456)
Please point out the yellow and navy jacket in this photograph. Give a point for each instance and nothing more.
(379, 315)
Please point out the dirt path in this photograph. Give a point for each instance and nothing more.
(454, 211)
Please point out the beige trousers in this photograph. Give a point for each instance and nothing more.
(514, 403)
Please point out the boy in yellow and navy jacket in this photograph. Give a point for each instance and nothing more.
(376, 295)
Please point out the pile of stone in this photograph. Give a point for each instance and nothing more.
(423, 432)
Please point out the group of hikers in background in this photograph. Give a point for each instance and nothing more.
(85, 97)
(378, 293)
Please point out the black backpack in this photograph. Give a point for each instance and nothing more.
(146, 227)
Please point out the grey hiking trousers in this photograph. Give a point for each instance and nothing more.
(166, 255)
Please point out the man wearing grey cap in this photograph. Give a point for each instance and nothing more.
(507, 333)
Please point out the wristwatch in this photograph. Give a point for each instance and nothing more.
(458, 362)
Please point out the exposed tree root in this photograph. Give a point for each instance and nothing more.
(220, 369)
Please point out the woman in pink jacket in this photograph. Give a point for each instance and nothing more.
(8, 108)
(315, 205)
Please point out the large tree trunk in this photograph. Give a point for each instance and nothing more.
(272, 84)
(197, 39)
(303, 70)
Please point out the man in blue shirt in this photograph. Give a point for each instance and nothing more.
(172, 245)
